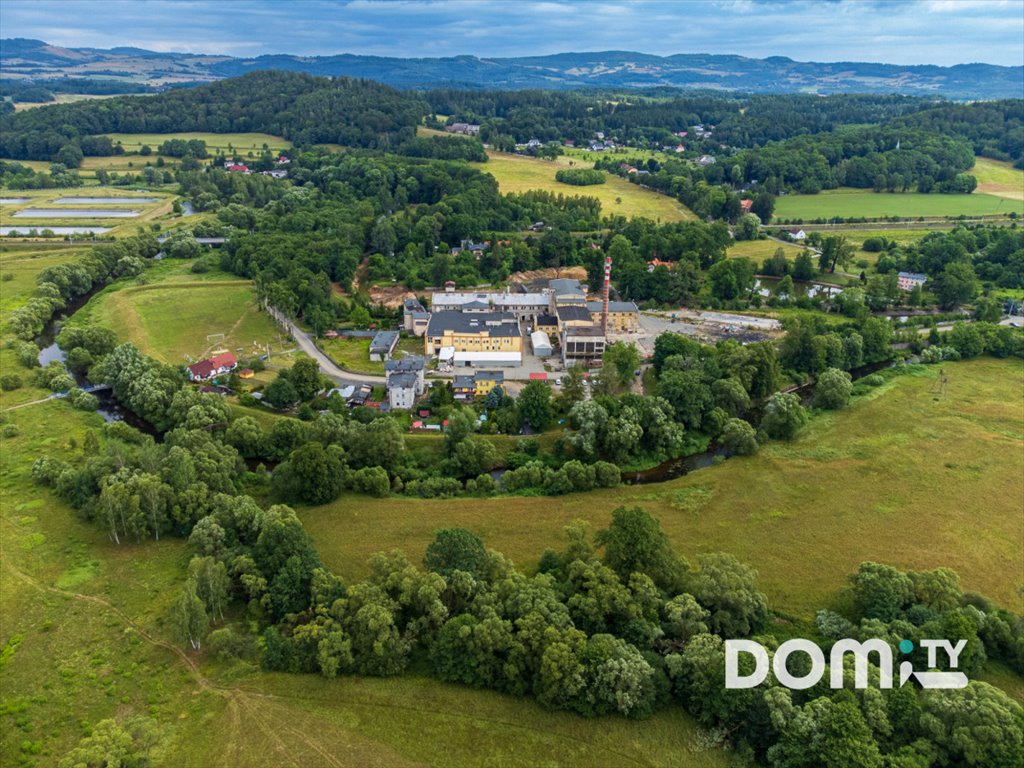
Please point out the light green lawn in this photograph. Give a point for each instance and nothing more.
(850, 203)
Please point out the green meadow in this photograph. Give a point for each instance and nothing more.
(855, 203)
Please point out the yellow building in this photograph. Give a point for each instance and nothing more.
(475, 338)
(623, 316)
(485, 381)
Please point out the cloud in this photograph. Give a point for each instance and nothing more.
(916, 32)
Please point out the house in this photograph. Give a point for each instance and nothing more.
(627, 168)
(466, 129)
(623, 316)
(908, 281)
(414, 317)
(275, 174)
(541, 344)
(746, 205)
(237, 168)
(411, 364)
(537, 226)
(706, 160)
(534, 144)
(214, 366)
(463, 387)
(282, 160)
(654, 263)
(489, 337)
(246, 373)
(797, 234)
(360, 395)
(383, 345)
(485, 381)
(402, 390)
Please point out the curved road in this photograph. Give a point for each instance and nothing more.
(339, 376)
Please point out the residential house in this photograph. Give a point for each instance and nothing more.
(463, 387)
(414, 317)
(475, 338)
(908, 281)
(275, 174)
(797, 234)
(237, 168)
(282, 160)
(485, 381)
(706, 160)
(213, 366)
(383, 345)
(623, 316)
(654, 263)
(466, 129)
(402, 390)
(746, 205)
(410, 364)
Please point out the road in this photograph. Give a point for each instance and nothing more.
(339, 376)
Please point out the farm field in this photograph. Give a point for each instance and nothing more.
(61, 98)
(850, 203)
(171, 318)
(243, 143)
(998, 178)
(759, 250)
(91, 621)
(896, 460)
(516, 173)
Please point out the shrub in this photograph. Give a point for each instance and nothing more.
(739, 437)
(9, 430)
(833, 389)
(10, 382)
(580, 177)
(874, 380)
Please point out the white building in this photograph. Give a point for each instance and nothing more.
(541, 344)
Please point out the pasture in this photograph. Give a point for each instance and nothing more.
(759, 250)
(516, 173)
(998, 178)
(897, 477)
(242, 143)
(171, 318)
(855, 203)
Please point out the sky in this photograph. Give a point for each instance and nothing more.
(941, 32)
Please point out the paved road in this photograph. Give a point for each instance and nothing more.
(327, 367)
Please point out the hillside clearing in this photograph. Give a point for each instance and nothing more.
(856, 203)
(516, 173)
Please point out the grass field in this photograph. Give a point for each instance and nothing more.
(243, 143)
(759, 250)
(519, 174)
(354, 354)
(849, 203)
(88, 624)
(897, 477)
(171, 317)
(998, 178)
(60, 98)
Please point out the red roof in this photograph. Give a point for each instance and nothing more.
(539, 376)
(746, 204)
(226, 360)
(238, 167)
(204, 369)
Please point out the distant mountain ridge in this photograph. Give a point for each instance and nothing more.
(37, 60)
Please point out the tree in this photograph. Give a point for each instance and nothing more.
(188, 617)
(957, 284)
(305, 378)
(835, 250)
(748, 227)
(572, 388)
(115, 745)
(621, 358)
(880, 591)
(534, 403)
(211, 584)
(827, 733)
(784, 416)
(726, 588)
(474, 456)
(635, 543)
(312, 473)
(281, 393)
(803, 266)
(833, 389)
(732, 278)
(739, 437)
(730, 395)
(455, 549)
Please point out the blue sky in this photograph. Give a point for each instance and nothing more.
(894, 31)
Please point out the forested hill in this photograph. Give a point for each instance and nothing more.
(303, 108)
(606, 69)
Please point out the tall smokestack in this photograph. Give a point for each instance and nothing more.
(607, 285)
